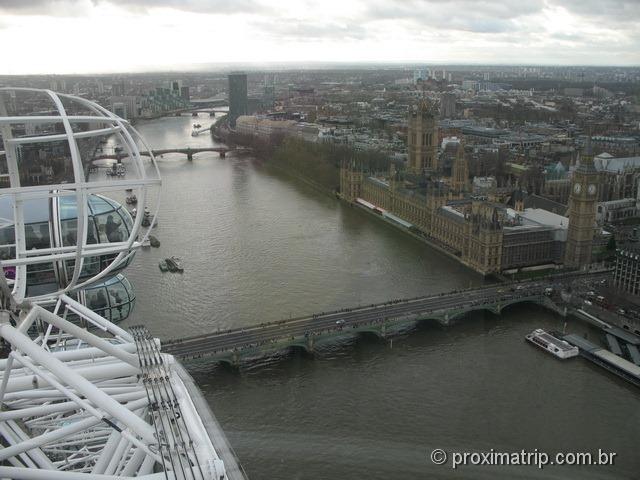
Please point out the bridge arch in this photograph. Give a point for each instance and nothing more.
(298, 349)
(371, 333)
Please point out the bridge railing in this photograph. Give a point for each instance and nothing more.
(374, 306)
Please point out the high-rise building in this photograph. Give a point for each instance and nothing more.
(268, 92)
(626, 276)
(175, 86)
(422, 139)
(117, 89)
(126, 106)
(237, 96)
(419, 75)
(582, 213)
(473, 85)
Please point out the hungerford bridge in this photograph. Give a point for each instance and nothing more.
(383, 320)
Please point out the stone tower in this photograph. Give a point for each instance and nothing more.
(460, 171)
(350, 180)
(422, 139)
(582, 212)
(484, 231)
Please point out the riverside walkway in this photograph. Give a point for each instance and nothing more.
(382, 319)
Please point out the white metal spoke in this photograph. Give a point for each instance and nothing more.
(105, 408)
(81, 398)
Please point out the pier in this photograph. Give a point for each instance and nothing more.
(383, 320)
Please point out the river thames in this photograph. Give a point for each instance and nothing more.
(259, 246)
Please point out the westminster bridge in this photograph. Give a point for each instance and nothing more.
(383, 320)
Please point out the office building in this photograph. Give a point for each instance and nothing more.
(237, 97)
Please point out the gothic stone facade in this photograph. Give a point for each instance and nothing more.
(471, 230)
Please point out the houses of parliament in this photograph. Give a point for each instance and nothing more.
(489, 233)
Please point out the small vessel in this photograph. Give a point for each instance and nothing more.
(146, 219)
(552, 344)
(153, 241)
(163, 266)
(174, 264)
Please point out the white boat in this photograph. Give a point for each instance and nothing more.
(551, 344)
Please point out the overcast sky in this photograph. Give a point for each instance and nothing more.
(86, 36)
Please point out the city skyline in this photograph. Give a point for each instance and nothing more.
(142, 35)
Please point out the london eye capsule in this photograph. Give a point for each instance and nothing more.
(63, 226)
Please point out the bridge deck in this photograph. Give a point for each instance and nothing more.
(379, 318)
(163, 151)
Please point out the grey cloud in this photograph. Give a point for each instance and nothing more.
(612, 10)
(43, 7)
(479, 16)
(23, 5)
(66, 7)
(202, 6)
(569, 37)
(502, 9)
(300, 30)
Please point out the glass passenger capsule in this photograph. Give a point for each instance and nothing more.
(113, 299)
(52, 223)
(62, 159)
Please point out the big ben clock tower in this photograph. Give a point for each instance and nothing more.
(582, 212)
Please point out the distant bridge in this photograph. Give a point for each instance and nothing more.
(382, 320)
(188, 151)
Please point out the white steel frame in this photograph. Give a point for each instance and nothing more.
(80, 406)
(80, 187)
(75, 404)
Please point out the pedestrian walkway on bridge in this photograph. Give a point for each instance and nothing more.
(384, 320)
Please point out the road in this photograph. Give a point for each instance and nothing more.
(388, 312)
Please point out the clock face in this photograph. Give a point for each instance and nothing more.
(577, 188)
(592, 189)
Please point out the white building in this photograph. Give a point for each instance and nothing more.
(616, 210)
(266, 128)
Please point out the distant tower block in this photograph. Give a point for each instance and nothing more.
(582, 213)
(422, 139)
(237, 97)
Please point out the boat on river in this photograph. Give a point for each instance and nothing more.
(552, 344)
(174, 264)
